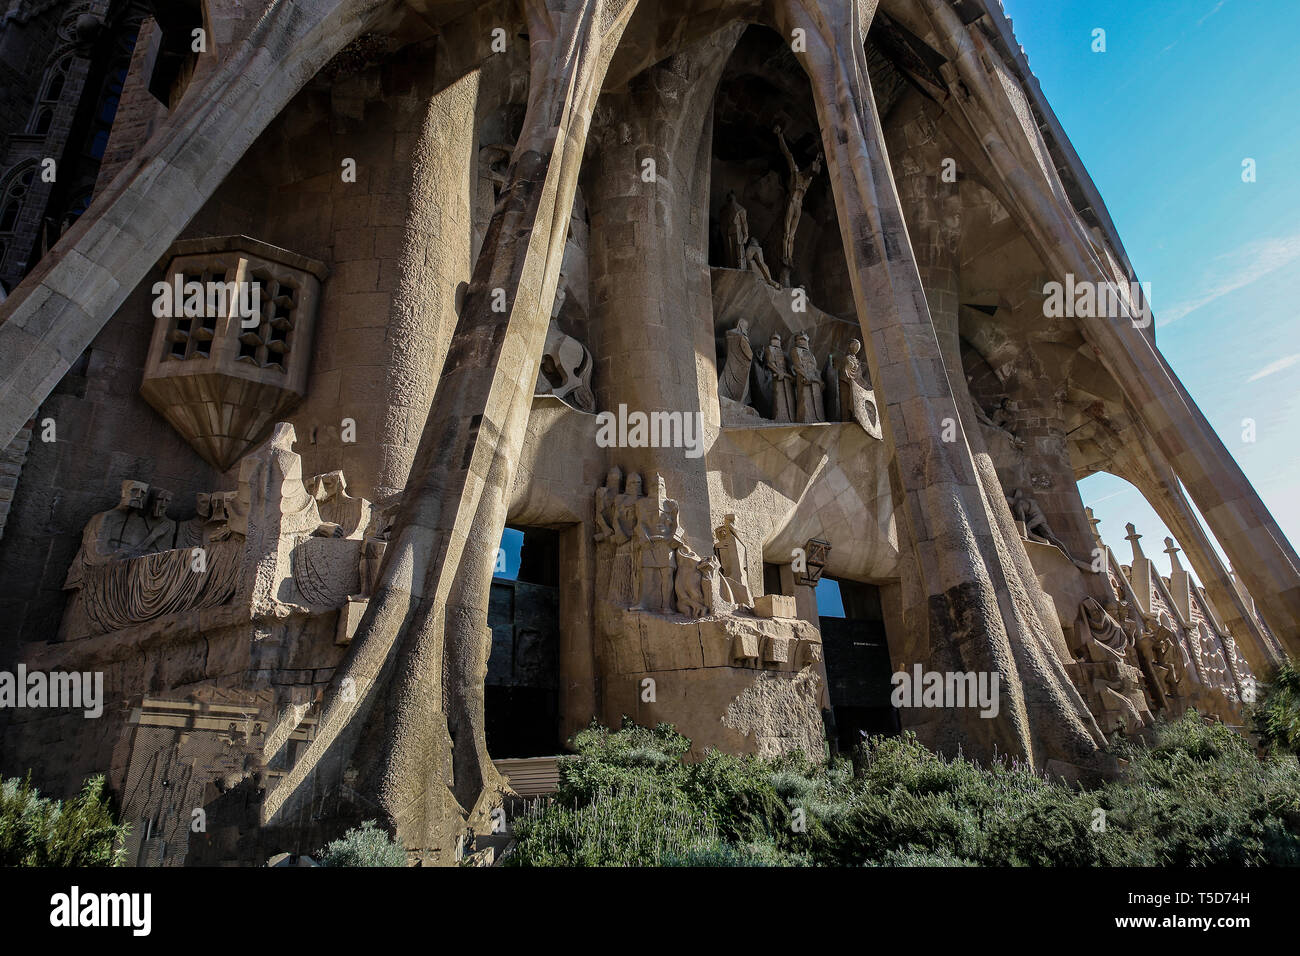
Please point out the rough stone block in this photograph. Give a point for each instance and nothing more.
(775, 605)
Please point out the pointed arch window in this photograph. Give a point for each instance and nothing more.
(52, 87)
(12, 196)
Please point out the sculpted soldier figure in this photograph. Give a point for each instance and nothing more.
(808, 382)
(799, 183)
(733, 383)
(782, 381)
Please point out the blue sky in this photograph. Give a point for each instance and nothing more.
(1162, 120)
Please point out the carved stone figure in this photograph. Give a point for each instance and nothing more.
(733, 383)
(191, 533)
(1108, 638)
(807, 380)
(1026, 510)
(782, 381)
(654, 546)
(731, 552)
(734, 222)
(754, 260)
(566, 371)
(1001, 419)
(124, 531)
(127, 570)
(162, 530)
(857, 399)
(623, 583)
(336, 506)
(697, 584)
(800, 180)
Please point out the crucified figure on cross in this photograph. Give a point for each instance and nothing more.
(800, 180)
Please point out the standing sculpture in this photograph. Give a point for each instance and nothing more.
(731, 552)
(857, 399)
(782, 381)
(733, 383)
(734, 221)
(800, 180)
(808, 382)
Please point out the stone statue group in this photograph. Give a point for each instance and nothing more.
(743, 251)
(651, 567)
(794, 387)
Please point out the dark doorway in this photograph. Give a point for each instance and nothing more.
(858, 667)
(522, 689)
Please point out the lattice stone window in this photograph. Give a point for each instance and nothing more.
(268, 345)
(191, 336)
(224, 373)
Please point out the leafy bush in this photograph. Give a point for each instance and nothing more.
(1195, 794)
(1276, 718)
(366, 845)
(38, 831)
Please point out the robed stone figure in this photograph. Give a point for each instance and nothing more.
(733, 383)
(782, 381)
(807, 382)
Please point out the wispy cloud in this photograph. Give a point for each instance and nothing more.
(1217, 7)
(1236, 270)
(1277, 366)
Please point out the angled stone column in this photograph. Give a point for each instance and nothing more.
(411, 734)
(48, 321)
(1147, 469)
(967, 601)
(1260, 553)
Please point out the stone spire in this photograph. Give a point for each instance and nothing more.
(1133, 538)
(1172, 550)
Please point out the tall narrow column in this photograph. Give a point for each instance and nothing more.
(419, 658)
(968, 605)
(652, 305)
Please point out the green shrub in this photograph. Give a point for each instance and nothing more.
(1194, 794)
(629, 827)
(37, 831)
(1276, 717)
(366, 845)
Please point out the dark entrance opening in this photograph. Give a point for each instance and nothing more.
(858, 668)
(522, 692)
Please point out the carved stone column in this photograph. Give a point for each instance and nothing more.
(413, 731)
(966, 599)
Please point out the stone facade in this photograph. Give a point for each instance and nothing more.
(646, 281)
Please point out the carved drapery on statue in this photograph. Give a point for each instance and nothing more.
(272, 542)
